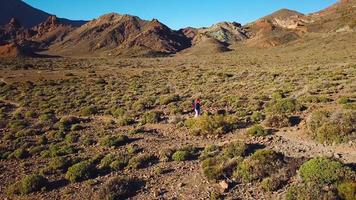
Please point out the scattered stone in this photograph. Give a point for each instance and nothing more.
(337, 155)
(224, 186)
(181, 185)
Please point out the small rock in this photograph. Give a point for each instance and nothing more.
(224, 186)
(181, 185)
(337, 155)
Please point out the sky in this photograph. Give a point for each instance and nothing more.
(178, 13)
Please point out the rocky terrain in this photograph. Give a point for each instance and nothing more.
(104, 110)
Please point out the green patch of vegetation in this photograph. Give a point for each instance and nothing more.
(235, 149)
(114, 141)
(332, 127)
(263, 163)
(347, 190)
(165, 100)
(29, 184)
(316, 99)
(20, 153)
(257, 117)
(125, 121)
(181, 155)
(17, 125)
(257, 130)
(141, 161)
(343, 100)
(88, 111)
(277, 121)
(80, 171)
(283, 106)
(58, 150)
(71, 138)
(215, 124)
(320, 173)
(48, 117)
(151, 117)
(323, 171)
(118, 188)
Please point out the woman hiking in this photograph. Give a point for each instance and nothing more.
(197, 106)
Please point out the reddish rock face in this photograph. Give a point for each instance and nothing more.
(11, 50)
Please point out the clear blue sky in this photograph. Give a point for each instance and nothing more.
(178, 13)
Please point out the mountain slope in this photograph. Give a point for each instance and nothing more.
(117, 34)
(26, 14)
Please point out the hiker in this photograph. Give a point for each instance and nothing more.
(196, 106)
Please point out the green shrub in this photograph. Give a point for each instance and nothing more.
(316, 99)
(210, 151)
(277, 95)
(114, 141)
(323, 171)
(106, 161)
(344, 100)
(347, 190)
(76, 127)
(311, 191)
(133, 149)
(119, 112)
(271, 183)
(36, 150)
(261, 164)
(17, 125)
(235, 149)
(61, 163)
(257, 130)
(58, 150)
(47, 117)
(80, 171)
(165, 100)
(332, 127)
(141, 161)
(277, 121)
(213, 168)
(181, 156)
(29, 184)
(144, 104)
(151, 117)
(67, 123)
(283, 106)
(90, 110)
(20, 153)
(216, 124)
(125, 121)
(71, 138)
(257, 117)
(120, 162)
(118, 188)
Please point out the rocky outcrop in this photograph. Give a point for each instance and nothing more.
(13, 50)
